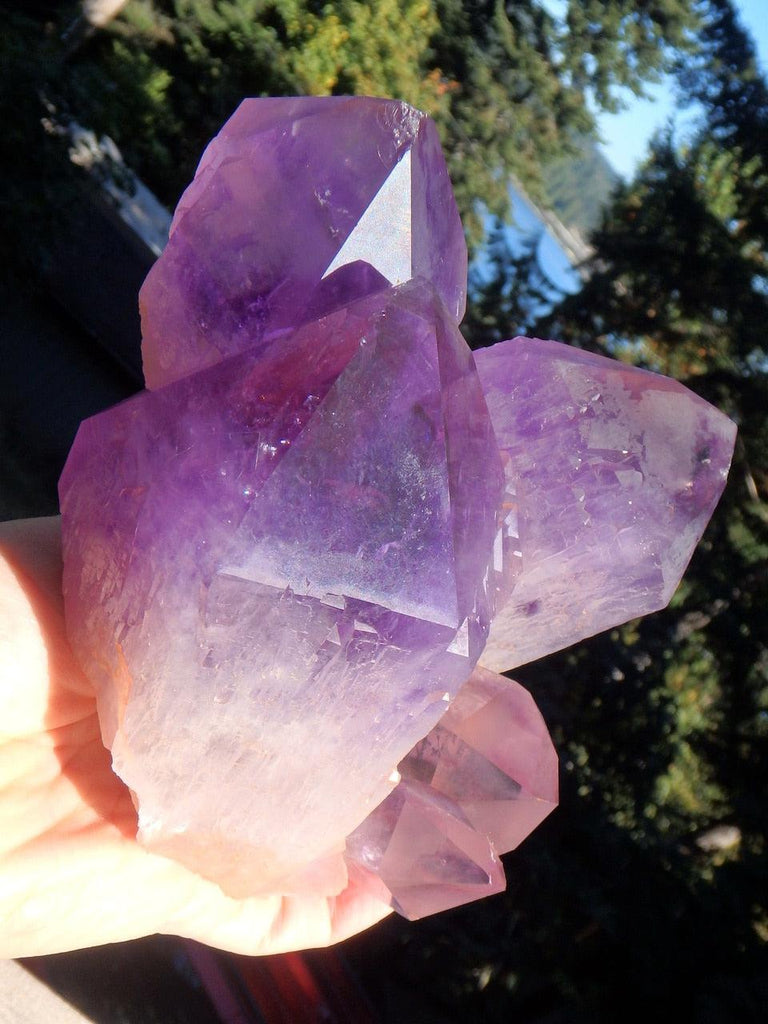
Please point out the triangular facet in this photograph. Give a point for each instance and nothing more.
(382, 236)
(361, 504)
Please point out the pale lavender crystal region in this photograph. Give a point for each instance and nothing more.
(420, 853)
(281, 555)
(487, 769)
(299, 205)
(283, 561)
(612, 474)
(492, 755)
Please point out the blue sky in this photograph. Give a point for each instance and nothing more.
(626, 135)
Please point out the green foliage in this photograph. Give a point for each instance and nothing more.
(678, 282)
(692, 298)
(167, 74)
(723, 75)
(505, 82)
(361, 49)
(520, 77)
(624, 43)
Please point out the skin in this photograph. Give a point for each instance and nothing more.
(71, 872)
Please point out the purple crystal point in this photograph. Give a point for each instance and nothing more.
(289, 194)
(492, 755)
(487, 770)
(418, 852)
(418, 481)
(612, 474)
(283, 554)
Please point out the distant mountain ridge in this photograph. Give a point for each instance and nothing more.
(578, 188)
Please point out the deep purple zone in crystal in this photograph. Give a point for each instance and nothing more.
(264, 540)
(274, 207)
(282, 563)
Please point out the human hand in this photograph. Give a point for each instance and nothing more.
(71, 871)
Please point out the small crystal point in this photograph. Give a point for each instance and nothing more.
(275, 211)
(492, 755)
(612, 474)
(487, 770)
(419, 852)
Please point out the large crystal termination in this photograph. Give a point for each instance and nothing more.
(299, 205)
(612, 474)
(488, 769)
(282, 561)
(278, 566)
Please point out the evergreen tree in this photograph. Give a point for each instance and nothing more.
(506, 82)
(508, 291)
(646, 891)
(724, 77)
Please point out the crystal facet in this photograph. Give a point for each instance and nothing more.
(488, 765)
(418, 852)
(265, 570)
(612, 474)
(290, 196)
(491, 754)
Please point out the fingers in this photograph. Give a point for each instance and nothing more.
(41, 686)
(24, 652)
(355, 910)
(84, 880)
(274, 924)
(33, 547)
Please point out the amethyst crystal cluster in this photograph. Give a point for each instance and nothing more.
(288, 559)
